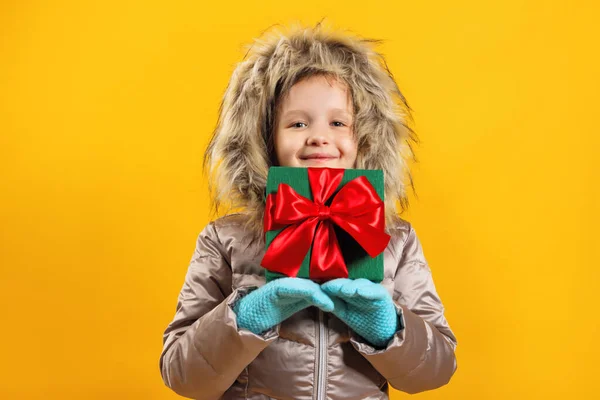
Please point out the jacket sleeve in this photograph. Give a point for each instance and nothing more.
(420, 356)
(203, 350)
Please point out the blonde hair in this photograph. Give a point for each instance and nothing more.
(241, 150)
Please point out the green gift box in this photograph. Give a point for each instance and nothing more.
(343, 226)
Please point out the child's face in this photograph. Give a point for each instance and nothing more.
(314, 126)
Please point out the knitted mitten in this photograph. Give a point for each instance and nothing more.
(278, 300)
(364, 306)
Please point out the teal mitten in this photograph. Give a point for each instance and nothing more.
(364, 306)
(278, 300)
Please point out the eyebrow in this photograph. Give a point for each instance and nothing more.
(304, 112)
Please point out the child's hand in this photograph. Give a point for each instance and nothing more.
(278, 300)
(364, 306)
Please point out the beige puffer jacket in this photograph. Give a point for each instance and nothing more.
(311, 355)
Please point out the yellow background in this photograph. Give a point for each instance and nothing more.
(106, 108)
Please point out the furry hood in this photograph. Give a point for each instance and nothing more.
(241, 151)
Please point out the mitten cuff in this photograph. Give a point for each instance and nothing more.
(369, 347)
(233, 304)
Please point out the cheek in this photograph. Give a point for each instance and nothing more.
(349, 147)
(283, 148)
(287, 145)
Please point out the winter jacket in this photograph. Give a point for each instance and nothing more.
(311, 355)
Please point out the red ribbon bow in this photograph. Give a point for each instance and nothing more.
(356, 208)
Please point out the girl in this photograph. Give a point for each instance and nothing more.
(305, 98)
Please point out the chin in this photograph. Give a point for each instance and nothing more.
(316, 163)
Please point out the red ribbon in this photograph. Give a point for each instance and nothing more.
(356, 208)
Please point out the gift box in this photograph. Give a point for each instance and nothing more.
(324, 223)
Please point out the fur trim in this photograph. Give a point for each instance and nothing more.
(240, 151)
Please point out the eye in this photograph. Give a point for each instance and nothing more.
(338, 122)
(294, 125)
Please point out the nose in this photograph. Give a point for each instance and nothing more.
(316, 140)
(318, 137)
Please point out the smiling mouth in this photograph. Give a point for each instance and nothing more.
(318, 157)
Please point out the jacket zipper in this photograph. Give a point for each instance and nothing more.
(322, 350)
